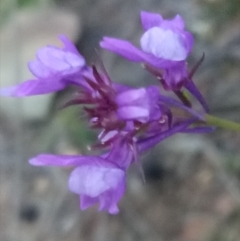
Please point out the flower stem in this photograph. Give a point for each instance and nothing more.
(222, 123)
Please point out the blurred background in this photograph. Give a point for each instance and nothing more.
(192, 190)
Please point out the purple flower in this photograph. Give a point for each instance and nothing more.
(97, 179)
(165, 39)
(165, 45)
(54, 68)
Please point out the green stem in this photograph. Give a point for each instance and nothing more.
(219, 122)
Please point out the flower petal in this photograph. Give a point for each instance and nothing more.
(39, 70)
(150, 20)
(133, 112)
(68, 160)
(108, 200)
(121, 154)
(127, 97)
(86, 201)
(94, 180)
(123, 48)
(130, 52)
(55, 160)
(149, 142)
(68, 45)
(164, 43)
(58, 60)
(33, 87)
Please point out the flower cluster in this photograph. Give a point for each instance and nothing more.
(130, 120)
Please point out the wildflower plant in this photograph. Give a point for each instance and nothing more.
(130, 120)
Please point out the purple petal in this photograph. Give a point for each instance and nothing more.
(153, 95)
(127, 97)
(150, 20)
(133, 104)
(164, 43)
(53, 58)
(58, 60)
(108, 201)
(130, 52)
(76, 62)
(39, 70)
(177, 26)
(86, 201)
(139, 104)
(122, 47)
(56, 160)
(68, 45)
(112, 209)
(178, 22)
(33, 87)
(147, 143)
(121, 154)
(68, 160)
(93, 180)
(132, 112)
